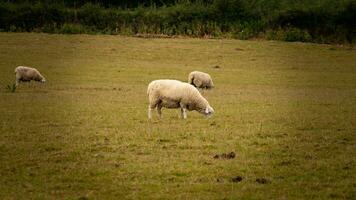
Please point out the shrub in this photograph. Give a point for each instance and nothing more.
(72, 29)
(289, 35)
(295, 34)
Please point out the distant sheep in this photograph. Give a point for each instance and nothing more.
(200, 80)
(176, 94)
(27, 74)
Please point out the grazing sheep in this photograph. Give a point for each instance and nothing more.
(176, 94)
(27, 74)
(200, 80)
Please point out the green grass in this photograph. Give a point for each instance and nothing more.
(288, 111)
(11, 88)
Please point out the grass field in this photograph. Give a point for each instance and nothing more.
(288, 111)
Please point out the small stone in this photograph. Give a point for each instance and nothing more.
(236, 179)
(230, 155)
(262, 180)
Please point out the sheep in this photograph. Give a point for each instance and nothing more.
(23, 73)
(176, 94)
(200, 80)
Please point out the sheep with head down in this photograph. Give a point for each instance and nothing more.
(176, 94)
(25, 74)
(200, 80)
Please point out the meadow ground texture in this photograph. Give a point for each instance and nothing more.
(288, 111)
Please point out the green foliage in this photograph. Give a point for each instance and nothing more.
(326, 21)
(11, 88)
(295, 34)
(289, 35)
(72, 29)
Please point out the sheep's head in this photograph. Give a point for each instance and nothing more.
(39, 78)
(210, 85)
(208, 111)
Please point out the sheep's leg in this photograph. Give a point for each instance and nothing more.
(159, 110)
(150, 108)
(153, 102)
(17, 80)
(149, 112)
(183, 111)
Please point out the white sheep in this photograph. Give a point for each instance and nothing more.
(200, 80)
(176, 94)
(23, 73)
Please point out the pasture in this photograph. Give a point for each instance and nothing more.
(287, 110)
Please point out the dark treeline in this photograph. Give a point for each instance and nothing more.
(324, 21)
(104, 3)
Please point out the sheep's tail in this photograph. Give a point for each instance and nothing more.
(149, 88)
(190, 78)
(18, 68)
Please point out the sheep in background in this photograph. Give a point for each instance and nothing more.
(200, 80)
(176, 94)
(27, 74)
